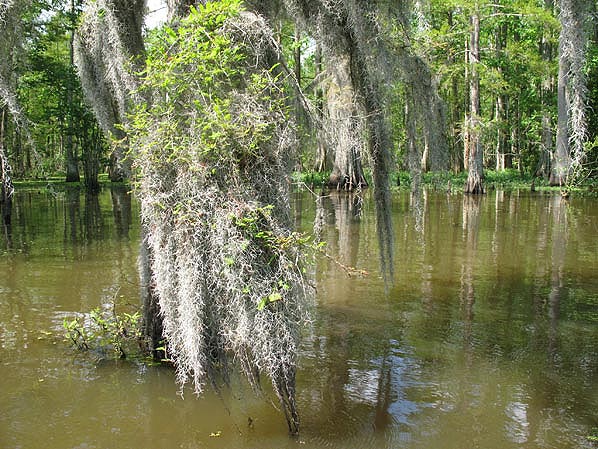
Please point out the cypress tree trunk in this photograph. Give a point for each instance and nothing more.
(72, 162)
(344, 126)
(474, 148)
(152, 325)
(322, 157)
(561, 162)
(571, 93)
(6, 188)
(547, 51)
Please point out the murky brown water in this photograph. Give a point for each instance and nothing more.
(488, 339)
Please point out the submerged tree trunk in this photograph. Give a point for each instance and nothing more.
(475, 157)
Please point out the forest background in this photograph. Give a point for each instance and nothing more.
(462, 73)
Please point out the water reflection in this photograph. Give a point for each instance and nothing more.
(471, 224)
(6, 211)
(487, 338)
(82, 225)
(78, 217)
(480, 290)
(557, 289)
(121, 209)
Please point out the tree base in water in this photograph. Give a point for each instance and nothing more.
(474, 186)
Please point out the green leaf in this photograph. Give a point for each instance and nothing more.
(272, 297)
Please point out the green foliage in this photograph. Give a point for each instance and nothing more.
(50, 94)
(107, 332)
(255, 225)
(193, 80)
(518, 62)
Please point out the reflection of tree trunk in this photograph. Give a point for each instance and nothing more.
(72, 215)
(338, 358)
(320, 218)
(92, 218)
(418, 208)
(557, 290)
(382, 417)
(471, 216)
(5, 205)
(347, 208)
(121, 208)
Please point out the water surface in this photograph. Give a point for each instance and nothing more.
(487, 339)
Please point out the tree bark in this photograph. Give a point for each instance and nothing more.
(345, 126)
(561, 161)
(502, 158)
(180, 8)
(152, 325)
(474, 154)
(323, 160)
(571, 93)
(543, 168)
(72, 162)
(92, 144)
(6, 187)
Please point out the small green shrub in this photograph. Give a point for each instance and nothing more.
(107, 332)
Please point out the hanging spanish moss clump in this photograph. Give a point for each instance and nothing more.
(573, 15)
(352, 29)
(212, 146)
(108, 51)
(10, 30)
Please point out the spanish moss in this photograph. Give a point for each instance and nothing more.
(213, 147)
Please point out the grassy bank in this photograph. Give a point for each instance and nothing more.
(454, 182)
(57, 183)
(502, 180)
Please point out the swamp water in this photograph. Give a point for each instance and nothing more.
(487, 339)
